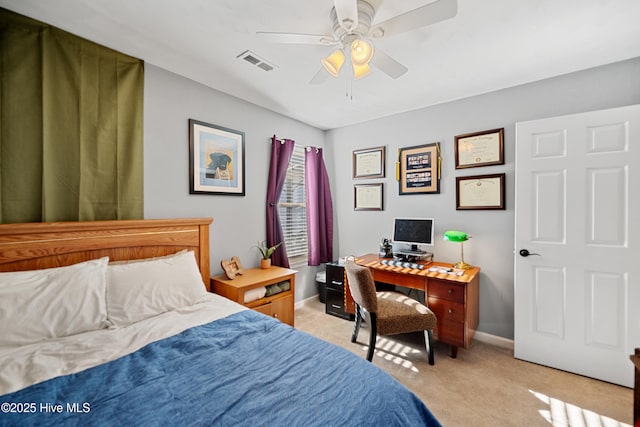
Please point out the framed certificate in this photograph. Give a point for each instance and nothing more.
(418, 169)
(479, 149)
(367, 197)
(368, 163)
(480, 192)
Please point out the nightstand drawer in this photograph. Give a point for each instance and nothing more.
(448, 291)
(264, 309)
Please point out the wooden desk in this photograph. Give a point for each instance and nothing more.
(453, 299)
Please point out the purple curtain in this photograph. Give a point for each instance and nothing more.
(280, 155)
(319, 208)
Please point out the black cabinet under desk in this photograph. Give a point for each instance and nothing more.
(335, 303)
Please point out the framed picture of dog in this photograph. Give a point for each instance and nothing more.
(216, 159)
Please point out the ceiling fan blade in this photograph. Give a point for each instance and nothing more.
(387, 64)
(347, 12)
(320, 77)
(417, 18)
(292, 38)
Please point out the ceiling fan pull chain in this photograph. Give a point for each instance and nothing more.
(349, 89)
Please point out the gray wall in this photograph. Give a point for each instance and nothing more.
(239, 222)
(491, 247)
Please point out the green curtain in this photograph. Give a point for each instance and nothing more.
(71, 126)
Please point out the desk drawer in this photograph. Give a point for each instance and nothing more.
(399, 278)
(448, 291)
(335, 277)
(450, 333)
(447, 310)
(335, 304)
(335, 285)
(335, 271)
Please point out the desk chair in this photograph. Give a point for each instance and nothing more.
(390, 313)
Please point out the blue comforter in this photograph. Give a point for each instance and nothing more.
(244, 370)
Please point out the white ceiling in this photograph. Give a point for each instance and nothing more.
(488, 45)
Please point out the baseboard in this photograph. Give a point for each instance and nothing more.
(302, 303)
(493, 340)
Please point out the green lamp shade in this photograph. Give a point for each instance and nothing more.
(456, 236)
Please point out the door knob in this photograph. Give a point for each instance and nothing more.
(525, 253)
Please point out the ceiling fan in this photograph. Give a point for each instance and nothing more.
(353, 34)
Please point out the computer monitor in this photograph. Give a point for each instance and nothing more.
(414, 232)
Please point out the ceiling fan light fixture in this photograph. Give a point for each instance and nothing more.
(360, 70)
(333, 63)
(361, 52)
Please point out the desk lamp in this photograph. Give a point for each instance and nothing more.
(461, 237)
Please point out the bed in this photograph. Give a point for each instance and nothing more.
(110, 323)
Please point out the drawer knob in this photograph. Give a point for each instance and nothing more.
(450, 311)
(275, 315)
(450, 291)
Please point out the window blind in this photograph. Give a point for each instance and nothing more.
(293, 209)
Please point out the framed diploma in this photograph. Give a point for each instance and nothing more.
(479, 149)
(367, 197)
(480, 192)
(368, 163)
(418, 169)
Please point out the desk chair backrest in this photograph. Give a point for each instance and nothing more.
(362, 286)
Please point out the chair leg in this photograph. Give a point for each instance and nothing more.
(356, 325)
(372, 336)
(428, 340)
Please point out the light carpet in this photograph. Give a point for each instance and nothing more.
(485, 385)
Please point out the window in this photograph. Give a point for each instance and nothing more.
(292, 208)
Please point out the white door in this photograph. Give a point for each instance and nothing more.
(577, 294)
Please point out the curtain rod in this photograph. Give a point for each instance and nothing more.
(281, 139)
(308, 147)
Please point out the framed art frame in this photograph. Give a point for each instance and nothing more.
(480, 192)
(477, 149)
(368, 163)
(216, 159)
(368, 197)
(232, 267)
(418, 169)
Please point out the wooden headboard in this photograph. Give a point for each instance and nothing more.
(34, 246)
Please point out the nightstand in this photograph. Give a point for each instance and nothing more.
(279, 305)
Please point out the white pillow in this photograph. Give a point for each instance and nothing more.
(36, 305)
(138, 290)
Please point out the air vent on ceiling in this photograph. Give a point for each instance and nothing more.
(254, 59)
